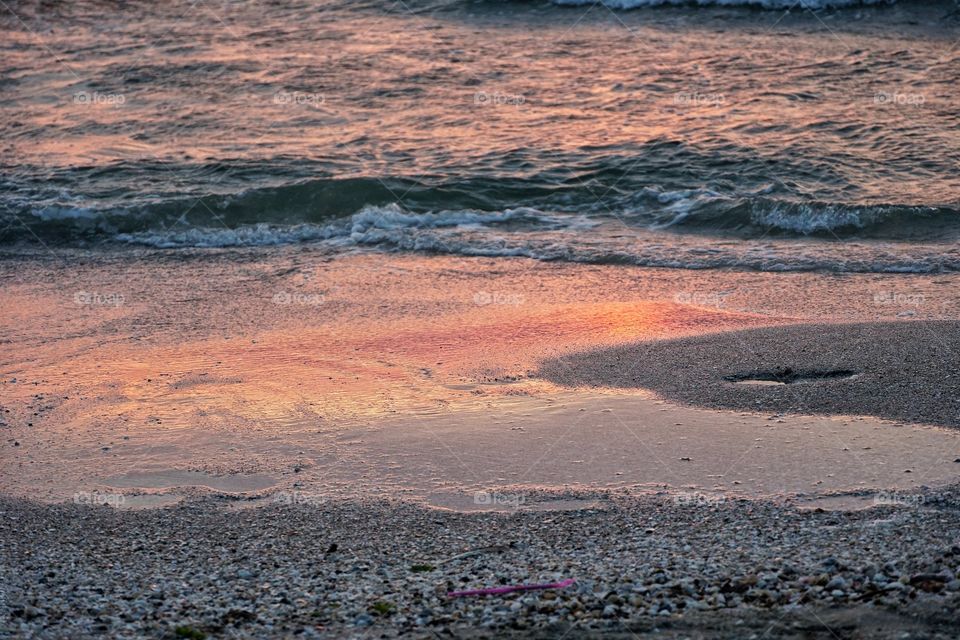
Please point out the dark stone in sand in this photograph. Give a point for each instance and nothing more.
(238, 615)
(787, 375)
(907, 371)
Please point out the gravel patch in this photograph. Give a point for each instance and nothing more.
(644, 565)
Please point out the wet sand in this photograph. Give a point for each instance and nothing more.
(908, 371)
(159, 375)
(342, 421)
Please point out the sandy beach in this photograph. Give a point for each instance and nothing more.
(478, 319)
(883, 369)
(644, 567)
(327, 442)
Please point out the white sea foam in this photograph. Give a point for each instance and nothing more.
(391, 217)
(534, 234)
(246, 236)
(807, 219)
(370, 225)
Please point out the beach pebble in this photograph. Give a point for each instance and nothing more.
(266, 577)
(837, 582)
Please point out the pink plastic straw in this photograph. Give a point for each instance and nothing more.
(498, 591)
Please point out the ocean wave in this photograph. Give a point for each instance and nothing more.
(371, 225)
(753, 214)
(763, 4)
(692, 228)
(341, 207)
(537, 235)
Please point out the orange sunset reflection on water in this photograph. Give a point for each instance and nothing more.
(314, 377)
(284, 367)
(372, 106)
(124, 388)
